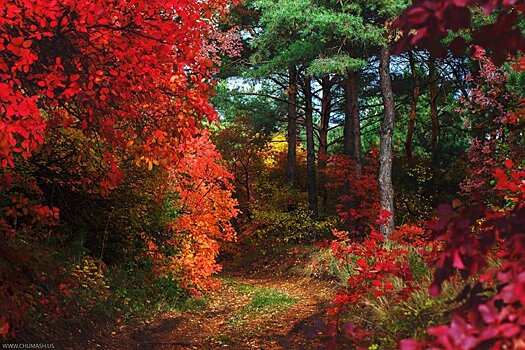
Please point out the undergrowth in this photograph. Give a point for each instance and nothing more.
(385, 320)
(264, 302)
(94, 298)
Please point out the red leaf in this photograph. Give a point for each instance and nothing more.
(458, 262)
(488, 312)
(4, 328)
(362, 263)
(377, 283)
(409, 344)
(444, 210)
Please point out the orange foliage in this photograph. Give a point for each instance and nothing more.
(206, 206)
(414, 235)
(99, 85)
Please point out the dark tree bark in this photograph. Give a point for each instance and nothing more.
(310, 149)
(248, 210)
(432, 76)
(352, 126)
(413, 106)
(386, 189)
(351, 137)
(326, 101)
(291, 157)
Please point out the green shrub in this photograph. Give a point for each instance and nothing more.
(322, 263)
(138, 292)
(296, 225)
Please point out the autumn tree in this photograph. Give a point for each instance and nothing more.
(111, 88)
(475, 232)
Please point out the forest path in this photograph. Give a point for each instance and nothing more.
(246, 312)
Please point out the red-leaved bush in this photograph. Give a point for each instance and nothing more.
(130, 80)
(377, 270)
(358, 205)
(374, 265)
(205, 204)
(413, 235)
(488, 113)
(492, 314)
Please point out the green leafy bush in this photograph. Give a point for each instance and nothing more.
(291, 226)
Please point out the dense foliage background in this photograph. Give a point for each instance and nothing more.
(140, 140)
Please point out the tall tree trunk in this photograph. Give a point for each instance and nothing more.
(351, 137)
(326, 101)
(386, 188)
(352, 125)
(291, 157)
(310, 149)
(248, 210)
(432, 76)
(413, 106)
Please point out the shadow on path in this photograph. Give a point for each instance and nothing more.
(229, 322)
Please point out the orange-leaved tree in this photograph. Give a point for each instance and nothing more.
(203, 207)
(100, 85)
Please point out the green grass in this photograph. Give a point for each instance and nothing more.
(262, 298)
(267, 298)
(228, 280)
(264, 301)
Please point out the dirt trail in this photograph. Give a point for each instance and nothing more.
(246, 312)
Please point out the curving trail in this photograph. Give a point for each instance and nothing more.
(246, 312)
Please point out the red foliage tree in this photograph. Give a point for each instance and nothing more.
(359, 209)
(130, 78)
(427, 22)
(126, 74)
(495, 136)
(203, 188)
(492, 313)
(122, 70)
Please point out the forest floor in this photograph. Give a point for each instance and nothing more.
(255, 307)
(262, 302)
(246, 312)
